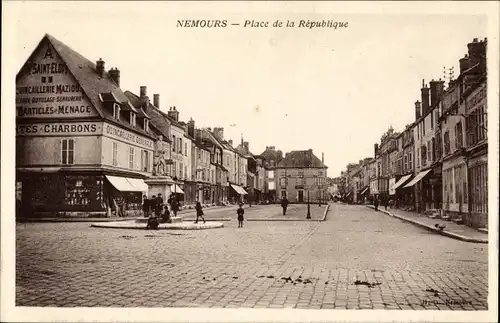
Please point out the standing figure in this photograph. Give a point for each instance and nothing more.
(240, 213)
(174, 206)
(158, 205)
(284, 204)
(146, 206)
(199, 212)
(375, 203)
(152, 205)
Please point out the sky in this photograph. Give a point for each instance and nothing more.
(333, 91)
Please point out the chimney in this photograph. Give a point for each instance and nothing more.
(245, 144)
(190, 126)
(230, 141)
(156, 100)
(477, 54)
(375, 146)
(173, 113)
(143, 91)
(437, 88)
(464, 63)
(323, 158)
(425, 98)
(219, 131)
(99, 66)
(114, 74)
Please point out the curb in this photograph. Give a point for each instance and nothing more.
(159, 228)
(327, 208)
(431, 228)
(208, 220)
(73, 220)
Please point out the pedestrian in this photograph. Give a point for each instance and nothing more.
(145, 206)
(175, 206)
(375, 203)
(240, 213)
(158, 205)
(385, 200)
(199, 212)
(152, 205)
(166, 214)
(284, 204)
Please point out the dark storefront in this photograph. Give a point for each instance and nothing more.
(84, 194)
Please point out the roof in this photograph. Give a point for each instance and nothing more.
(301, 159)
(84, 71)
(157, 118)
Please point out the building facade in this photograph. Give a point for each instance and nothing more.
(302, 177)
(81, 147)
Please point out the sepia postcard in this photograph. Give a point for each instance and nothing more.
(239, 161)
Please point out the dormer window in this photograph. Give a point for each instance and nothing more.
(116, 111)
(133, 121)
(146, 125)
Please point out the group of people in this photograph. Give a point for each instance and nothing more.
(154, 206)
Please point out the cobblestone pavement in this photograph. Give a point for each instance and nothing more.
(260, 212)
(357, 259)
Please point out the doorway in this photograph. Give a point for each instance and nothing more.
(301, 196)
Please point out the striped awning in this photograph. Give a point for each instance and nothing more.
(124, 184)
(400, 182)
(417, 178)
(239, 189)
(176, 189)
(366, 189)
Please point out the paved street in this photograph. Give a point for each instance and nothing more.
(356, 259)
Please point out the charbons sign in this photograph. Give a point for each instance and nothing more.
(114, 132)
(55, 129)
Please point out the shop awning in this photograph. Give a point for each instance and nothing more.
(122, 184)
(364, 191)
(417, 178)
(239, 189)
(400, 182)
(139, 184)
(176, 189)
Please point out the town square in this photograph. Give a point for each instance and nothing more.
(304, 162)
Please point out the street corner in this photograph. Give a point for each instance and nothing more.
(135, 225)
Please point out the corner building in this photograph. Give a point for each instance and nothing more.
(81, 148)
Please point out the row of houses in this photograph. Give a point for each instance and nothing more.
(86, 147)
(437, 165)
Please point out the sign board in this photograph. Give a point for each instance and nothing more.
(127, 136)
(49, 90)
(59, 129)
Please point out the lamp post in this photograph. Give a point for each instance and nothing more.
(308, 207)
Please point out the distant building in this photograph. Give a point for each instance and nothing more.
(302, 177)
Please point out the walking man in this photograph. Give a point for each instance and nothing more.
(284, 204)
(199, 212)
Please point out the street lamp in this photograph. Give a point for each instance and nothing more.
(308, 207)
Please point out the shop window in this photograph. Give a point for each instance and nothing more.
(68, 151)
(77, 191)
(132, 119)
(116, 111)
(145, 161)
(131, 157)
(446, 143)
(459, 135)
(115, 154)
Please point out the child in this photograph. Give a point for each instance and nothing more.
(240, 213)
